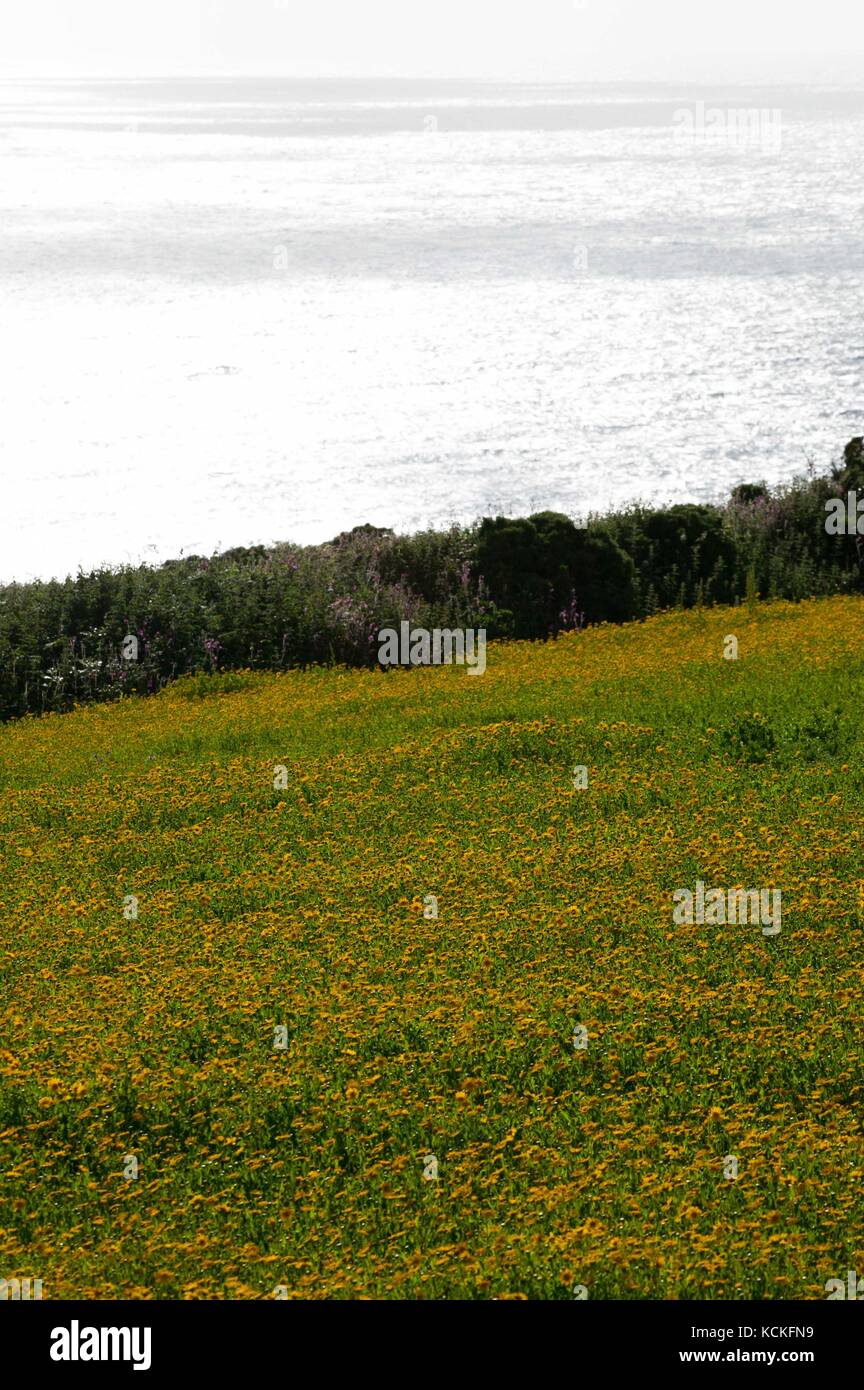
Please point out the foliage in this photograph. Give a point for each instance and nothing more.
(61, 643)
(407, 1036)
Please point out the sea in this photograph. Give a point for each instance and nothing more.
(247, 310)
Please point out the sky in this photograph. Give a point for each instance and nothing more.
(556, 40)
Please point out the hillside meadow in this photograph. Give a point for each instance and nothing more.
(533, 1094)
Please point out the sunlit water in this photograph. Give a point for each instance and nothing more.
(245, 311)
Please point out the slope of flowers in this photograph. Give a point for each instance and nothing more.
(415, 1043)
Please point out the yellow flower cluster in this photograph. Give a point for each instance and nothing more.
(419, 1023)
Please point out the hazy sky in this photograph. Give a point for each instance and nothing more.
(556, 39)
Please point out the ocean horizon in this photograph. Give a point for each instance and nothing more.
(242, 310)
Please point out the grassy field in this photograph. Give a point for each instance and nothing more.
(416, 1043)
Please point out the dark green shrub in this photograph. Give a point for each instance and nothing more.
(534, 568)
(261, 607)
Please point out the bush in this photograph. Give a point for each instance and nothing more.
(529, 577)
(682, 554)
(543, 570)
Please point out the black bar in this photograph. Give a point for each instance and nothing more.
(419, 1341)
